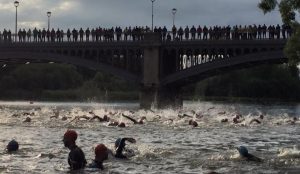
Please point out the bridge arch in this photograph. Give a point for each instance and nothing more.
(220, 66)
(43, 57)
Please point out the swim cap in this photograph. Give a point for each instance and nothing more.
(118, 142)
(13, 145)
(243, 151)
(122, 125)
(71, 135)
(101, 150)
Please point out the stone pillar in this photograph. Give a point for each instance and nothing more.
(152, 94)
(151, 68)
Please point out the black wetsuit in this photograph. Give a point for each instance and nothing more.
(96, 164)
(120, 148)
(251, 157)
(76, 158)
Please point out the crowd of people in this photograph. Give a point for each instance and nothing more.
(137, 33)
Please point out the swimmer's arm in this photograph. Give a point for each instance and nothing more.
(119, 151)
(129, 118)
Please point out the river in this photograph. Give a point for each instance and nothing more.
(165, 143)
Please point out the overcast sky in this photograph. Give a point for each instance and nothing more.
(111, 13)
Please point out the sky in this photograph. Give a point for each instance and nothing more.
(112, 13)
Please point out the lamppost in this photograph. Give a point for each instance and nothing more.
(174, 10)
(152, 13)
(49, 14)
(16, 3)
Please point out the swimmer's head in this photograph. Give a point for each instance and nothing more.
(70, 137)
(105, 118)
(243, 151)
(101, 153)
(261, 116)
(122, 125)
(12, 146)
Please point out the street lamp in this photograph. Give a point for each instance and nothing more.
(16, 3)
(174, 10)
(152, 13)
(49, 14)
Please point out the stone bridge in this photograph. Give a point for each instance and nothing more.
(160, 68)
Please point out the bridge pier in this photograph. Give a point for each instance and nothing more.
(152, 94)
(154, 97)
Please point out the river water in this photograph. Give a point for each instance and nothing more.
(165, 143)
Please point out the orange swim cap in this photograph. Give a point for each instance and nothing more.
(101, 151)
(71, 135)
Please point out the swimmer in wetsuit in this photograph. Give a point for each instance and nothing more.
(140, 121)
(243, 151)
(120, 146)
(76, 157)
(101, 154)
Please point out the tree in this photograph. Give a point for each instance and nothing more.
(288, 10)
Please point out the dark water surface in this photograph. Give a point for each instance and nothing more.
(165, 143)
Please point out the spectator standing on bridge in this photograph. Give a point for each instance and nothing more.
(9, 36)
(52, 35)
(180, 33)
(93, 33)
(193, 32)
(277, 31)
(23, 35)
(58, 39)
(74, 34)
(35, 33)
(20, 35)
(186, 33)
(40, 35)
(69, 35)
(81, 35)
(87, 34)
(62, 34)
(283, 31)
(199, 32)
(5, 35)
(174, 32)
(48, 34)
(264, 31)
(205, 32)
(164, 33)
(259, 32)
(44, 34)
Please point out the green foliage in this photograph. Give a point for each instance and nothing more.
(292, 49)
(288, 9)
(267, 5)
(61, 82)
(42, 76)
(281, 82)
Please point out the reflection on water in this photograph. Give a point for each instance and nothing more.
(165, 143)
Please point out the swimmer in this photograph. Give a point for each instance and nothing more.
(104, 119)
(193, 123)
(140, 121)
(76, 157)
(56, 114)
(120, 146)
(243, 151)
(224, 120)
(27, 120)
(257, 120)
(101, 154)
(293, 121)
(12, 146)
